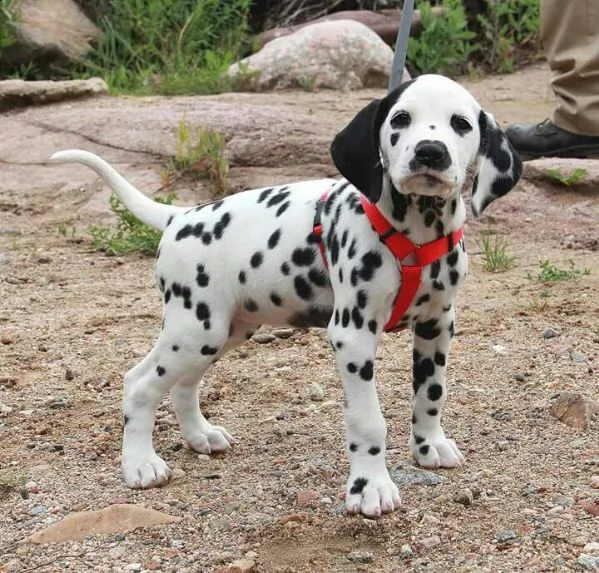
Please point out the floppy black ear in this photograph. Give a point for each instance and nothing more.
(355, 149)
(498, 165)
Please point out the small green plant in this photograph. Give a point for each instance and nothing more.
(445, 44)
(551, 274)
(572, 178)
(130, 235)
(496, 258)
(307, 83)
(7, 31)
(200, 154)
(10, 482)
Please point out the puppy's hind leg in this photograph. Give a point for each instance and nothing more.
(183, 352)
(200, 434)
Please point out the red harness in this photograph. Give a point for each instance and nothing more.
(402, 248)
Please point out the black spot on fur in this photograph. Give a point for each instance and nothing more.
(454, 277)
(424, 298)
(370, 262)
(256, 260)
(438, 285)
(160, 371)
(353, 447)
(362, 299)
(418, 439)
(421, 370)
(340, 275)
(375, 450)
(336, 316)
(357, 317)
(454, 206)
(435, 269)
(313, 316)
(242, 277)
(278, 198)
(372, 326)
(202, 278)
(276, 299)
(264, 194)
(339, 345)
(345, 318)
(427, 330)
(161, 284)
(452, 258)
(175, 347)
(358, 485)
(285, 269)
(208, 350)
(303, 257)
(344, 239)
(334, 250)
(250, 305)
(451, 328)
(125, 420)
(352, 368)
(424, 449)
(432, 412)
(206, 238)
(353, 249)
(167, 296)
(169, 220)
(303, 288)
(202, 311)
(400, 204)
(367, 371)
(318, 277)
(282, 209)
(434, 392)
(273, 240)
(429, 218)
(440, 358)
(394, 138)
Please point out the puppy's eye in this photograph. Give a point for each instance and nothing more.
(401, 119)
(460, 124)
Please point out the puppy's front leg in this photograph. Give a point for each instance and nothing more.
(370, 489)
(432, 339)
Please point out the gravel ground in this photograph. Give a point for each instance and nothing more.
(73, 321)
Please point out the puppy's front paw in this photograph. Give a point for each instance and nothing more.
(208, 441)
(437, 453)
(372, 494)
(143, 472)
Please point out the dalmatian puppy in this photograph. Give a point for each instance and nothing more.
(226, 267)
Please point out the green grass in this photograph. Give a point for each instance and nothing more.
(169, 46)
(549, 273)
(495, 255)
(130, 235)
(574, 177)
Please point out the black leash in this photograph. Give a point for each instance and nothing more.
(401, 45)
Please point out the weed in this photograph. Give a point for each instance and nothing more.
(444, 45)
(540, 303)
(550, 273)
(496, 258)
(572, 178)
(7, 29)
(307, 83)
(131, 235)
(199, 154)
(507, 26)
(10, 482)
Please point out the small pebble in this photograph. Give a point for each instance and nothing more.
(549, 333)
(316, 392)
(519, 377)
(263, 338)
(506, 536)
(578, 357)
(592, 548)
(283, 332)
(306, 497)
(132, 567)
(177, 473)
(32, 487)
(589, 562)
(6, 340)
(38, 510)
(42, 347)
(431, 541)
(68, 374)
(464, 497)
(360, 556)
(594, 482)
(406, 550)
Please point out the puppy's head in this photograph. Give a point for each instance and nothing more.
(429, 137)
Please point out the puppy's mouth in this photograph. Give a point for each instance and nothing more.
(429, 183)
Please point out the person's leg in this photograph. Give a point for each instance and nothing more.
(570, 34)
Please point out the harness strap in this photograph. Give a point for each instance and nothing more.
(402, 248)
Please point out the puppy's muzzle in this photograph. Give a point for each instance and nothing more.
(430, 155)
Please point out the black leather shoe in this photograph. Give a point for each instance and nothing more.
(546, 139)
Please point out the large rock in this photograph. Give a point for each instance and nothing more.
(19, 93)
(49, 32)
(384, 23)
(119, 518)
(343, 55)
(575, 410)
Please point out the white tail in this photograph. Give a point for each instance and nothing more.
(151, 213)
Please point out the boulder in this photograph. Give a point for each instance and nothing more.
(19, 93)
(384, 23)
(575, 410)
(342, 54)
(48, 32)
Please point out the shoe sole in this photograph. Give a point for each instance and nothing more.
(574, 152)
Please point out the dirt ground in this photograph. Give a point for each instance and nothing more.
(72, 321)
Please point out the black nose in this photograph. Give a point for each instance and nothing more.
(431, 154)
